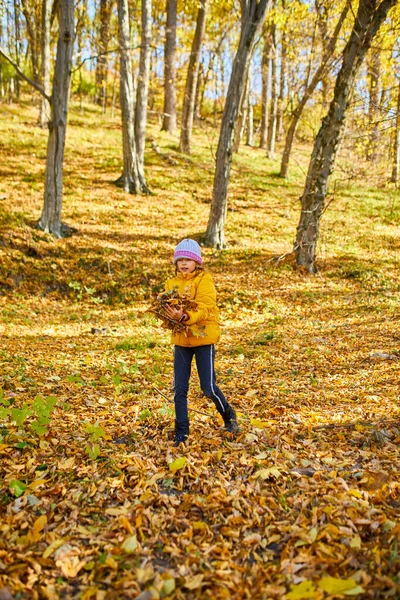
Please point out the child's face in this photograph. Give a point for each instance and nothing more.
(186, 265)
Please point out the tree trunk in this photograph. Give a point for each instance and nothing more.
(396, 145)
(130, 180)
(80, 14)
(318, 75)
(33, 26)
(253, 15)
(249, 138)
(191, 81)
(322, 23)
(45, 109)
(242, 116)
(1, 62)
(197, 107)
(143, 90)
(265, 80)
(17, 45)
(102, 61)
(369, 18)
(375, 91)
(50, 220)
(282, 84)
(274, 97)
(169, 120)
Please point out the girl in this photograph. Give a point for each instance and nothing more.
(202, 334)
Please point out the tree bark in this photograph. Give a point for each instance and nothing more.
(17, 45)
(169, 120)
(375, 91)
(396, 144)
(1, 63)
(45, 109)
(80, 22)
(253, 15)
(242, 115)
(33, 24)
(50, 220)
(310, 88)
(250, 120)
(369, 18)
(102, 60)
(274, 96)
(143, 91)
(282, 83)
(197, 107)
(191, 80)
(130, 180)
(265, 81)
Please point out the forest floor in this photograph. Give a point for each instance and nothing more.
(95, 501)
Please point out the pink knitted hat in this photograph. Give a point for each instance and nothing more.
(188, 249)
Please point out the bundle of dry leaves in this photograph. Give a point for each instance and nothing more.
(171, 298)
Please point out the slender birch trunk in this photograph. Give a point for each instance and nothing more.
(282, 84)
(370, 16)
(274, 97)
(242, 116)
(45, 109)
(253, 15)
(310, 88)
(102, 60)
(375, 91)
(265, 80)
(50, 220)
(169, 120)
(249, 137)
(197, 107)
(396, 144)
(130, 180)
(17, 45)
(142, 94)
(191, 81)
(33, 36)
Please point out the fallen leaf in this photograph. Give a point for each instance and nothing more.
(130, 544)
(177, 464)
(302, 591)
(267, 473)
(333, 585)
(192, 583)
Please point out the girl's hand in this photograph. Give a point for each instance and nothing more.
(174, 312)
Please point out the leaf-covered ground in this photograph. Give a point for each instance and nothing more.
(95, 501)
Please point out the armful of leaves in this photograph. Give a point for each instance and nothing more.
(171, 298)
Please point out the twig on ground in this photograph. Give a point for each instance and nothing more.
(190, 408)
(351, 425)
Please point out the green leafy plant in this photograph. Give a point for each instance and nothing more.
(95, 433)
(145, 414)
(40, 409)
(17, 488)
(165, 411)
(83, 291)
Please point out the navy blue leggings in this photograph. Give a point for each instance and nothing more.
(205, 367)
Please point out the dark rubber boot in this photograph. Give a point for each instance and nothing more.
(229, 417)
(181, 432)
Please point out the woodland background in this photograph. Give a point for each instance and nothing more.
(95, 502)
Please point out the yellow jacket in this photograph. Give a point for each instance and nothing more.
(199, 287)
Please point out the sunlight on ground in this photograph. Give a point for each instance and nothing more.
(310, 488)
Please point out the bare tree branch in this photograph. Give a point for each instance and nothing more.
(27, 79)
(94, 56)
